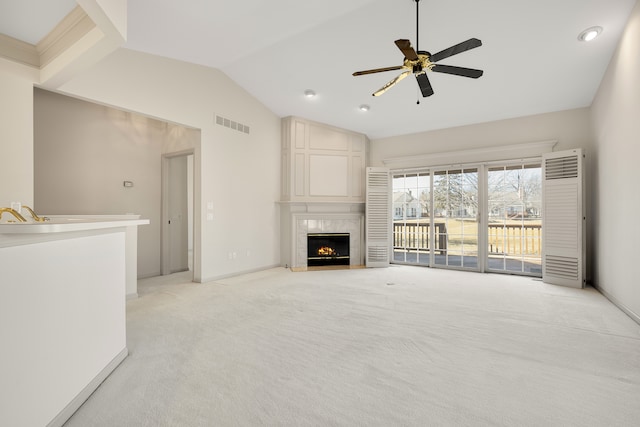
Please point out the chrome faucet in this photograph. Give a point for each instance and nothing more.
(13, 212)
(33, 214)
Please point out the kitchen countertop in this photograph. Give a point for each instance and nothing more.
(68, 223)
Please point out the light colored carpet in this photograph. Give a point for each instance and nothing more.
(401, 346)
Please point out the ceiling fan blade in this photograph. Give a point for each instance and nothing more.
(377, 70)
(386, 87)
(425, 85)
(408, 52)
(454, 50)
(458, 71)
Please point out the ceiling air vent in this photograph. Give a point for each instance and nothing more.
(228, 123)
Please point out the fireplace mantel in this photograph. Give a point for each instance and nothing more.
(331, 207)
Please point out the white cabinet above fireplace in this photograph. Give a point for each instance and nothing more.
(322, 163)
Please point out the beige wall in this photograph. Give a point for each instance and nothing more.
(228, 164)
(83, 152)
(16, 133)
(238, 174)
(570, 128)
(616, 128)
(78, 51)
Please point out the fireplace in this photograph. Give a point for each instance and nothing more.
(327, 249)
(321, 218)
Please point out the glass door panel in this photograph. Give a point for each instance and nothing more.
(455, 202)
(514, 235)
(411, 221)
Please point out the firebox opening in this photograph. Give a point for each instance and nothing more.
(327, 249)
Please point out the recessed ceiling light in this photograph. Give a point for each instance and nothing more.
(364, 107)
(589, 34)
(309, 93)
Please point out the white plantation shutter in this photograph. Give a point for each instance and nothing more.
(378, 217)
(563, 223)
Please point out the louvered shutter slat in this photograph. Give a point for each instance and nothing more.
(563, 219)
(378, 217)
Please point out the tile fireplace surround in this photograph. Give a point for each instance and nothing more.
(307, 218)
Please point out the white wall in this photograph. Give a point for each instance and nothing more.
(61, 332)
(16, 133)
(616, 127)
(570, 128)
(238, 173)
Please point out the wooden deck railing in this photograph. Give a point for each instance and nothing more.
(416, 236)
(515, 239)
(511, 239)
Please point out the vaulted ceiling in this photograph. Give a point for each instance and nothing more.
(276, 49)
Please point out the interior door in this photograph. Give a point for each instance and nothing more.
(178, 214)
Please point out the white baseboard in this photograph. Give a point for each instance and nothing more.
(239, 273)
(618, 304)
(73, 406)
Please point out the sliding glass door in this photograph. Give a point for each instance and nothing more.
(435, 218)
(411, 218)
(485, 217)
(455, 210)
(514, 225)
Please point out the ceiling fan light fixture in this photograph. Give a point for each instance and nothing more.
(589, 34)
(364, 107)
(309, 93)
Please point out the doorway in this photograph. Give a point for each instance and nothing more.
(177, 212)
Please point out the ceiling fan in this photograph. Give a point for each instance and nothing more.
(419, 62)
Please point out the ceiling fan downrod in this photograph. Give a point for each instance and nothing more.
(417, 26)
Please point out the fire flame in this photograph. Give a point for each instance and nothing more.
(327, 251)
